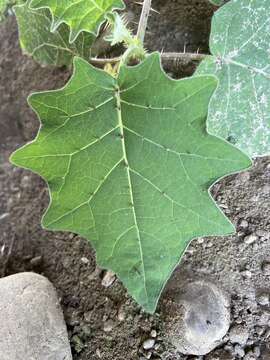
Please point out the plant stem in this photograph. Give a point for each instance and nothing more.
(143, 20)
(166, 57)
(182, 57)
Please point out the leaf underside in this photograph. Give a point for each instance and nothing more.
(46, 47)
(129, 163)
(240, 44)
(82, 15)
(217, 2)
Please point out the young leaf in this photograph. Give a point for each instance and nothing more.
(82, 15)
(46, 47)
(240, 108)
(129, 163)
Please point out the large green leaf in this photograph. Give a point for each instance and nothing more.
(46, 47)
(79, 15)
(240, 108)
(129, 163)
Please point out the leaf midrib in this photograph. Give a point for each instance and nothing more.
(121, 127)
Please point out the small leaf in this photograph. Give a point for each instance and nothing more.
(46, 47)
(129, 163)
(217, 2)
(82, 15)
(240, 108)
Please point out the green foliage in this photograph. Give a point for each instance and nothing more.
(240, 108)
(217, 2)
(49, 48)
(129, 162)
(4, 5)
(87, 15)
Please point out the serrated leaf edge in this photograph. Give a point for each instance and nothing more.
(72, 37)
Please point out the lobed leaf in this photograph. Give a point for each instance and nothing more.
(46, 47)
(129, 162)
(240, 108)
(82, 15)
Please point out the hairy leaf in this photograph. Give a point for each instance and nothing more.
(46, 47)
(240, 44)
(129, 163)
(82, 15)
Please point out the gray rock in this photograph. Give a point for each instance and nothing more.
(108, 279)
(148, 344)
(238, 334)
(263, 298)
(32, 323)
(203, 318)
(250, 239)
(266, 268)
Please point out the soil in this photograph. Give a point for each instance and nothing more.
(103, 322)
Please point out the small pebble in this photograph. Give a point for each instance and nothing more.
(25, 181)
(98, 353)
(238, 334)
(250, 239)
(259, 330)
(266, 268)
(246, 274)
(84, 260)
(108, 326)
(3, 216)
(154, 333)
(148, 344)
(36, 261)
(239, 351)
(108, 279)
(263, 299)
(121, 314)
(243, 224)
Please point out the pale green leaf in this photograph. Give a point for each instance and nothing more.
(240, 44)
(217, 2)
(4, 6)
(129, 163)
(46, 47)
(82, 15)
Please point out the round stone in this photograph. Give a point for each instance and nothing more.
(201, 318)
(32, 323)
(238, 334)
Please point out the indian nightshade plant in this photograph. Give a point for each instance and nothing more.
(128, 153)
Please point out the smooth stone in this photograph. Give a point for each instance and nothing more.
(148, 344)
(32, 323)
(203, 318)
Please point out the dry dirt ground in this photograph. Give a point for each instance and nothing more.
(103, 322)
